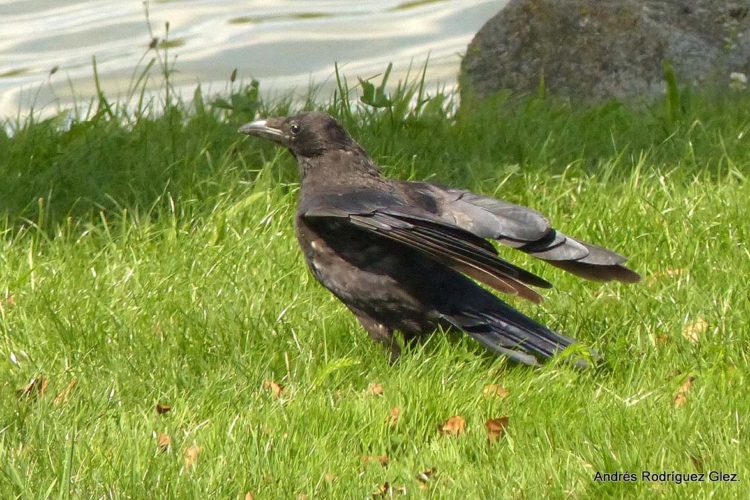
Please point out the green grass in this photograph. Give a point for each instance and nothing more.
(151, 258)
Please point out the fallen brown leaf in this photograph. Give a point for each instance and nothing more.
(7, 301)
(191, 456)
(381, 459)
(496, 428)
(35, 388)
(660, 339)
(163, 442)
(688, 384)
(162, 409)
(249, 496)
(680, 400)
(394, 416)
(424, 476)
(694, 330)
(386, 489)
(375, 389)
(697, 463)
(272, 386)
(383, 490)
(65, 394)
(495, 390)
(454, 426)
(681, 397)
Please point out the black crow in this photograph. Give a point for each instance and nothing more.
(400, 254)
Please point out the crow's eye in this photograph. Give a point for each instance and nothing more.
(294, 129)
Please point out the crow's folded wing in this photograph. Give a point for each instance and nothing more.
(524, 229)
(390, 216)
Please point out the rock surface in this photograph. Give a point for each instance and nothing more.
(599, 49)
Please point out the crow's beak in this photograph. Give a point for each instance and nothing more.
(262, 128)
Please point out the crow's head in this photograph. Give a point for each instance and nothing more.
(306, 135)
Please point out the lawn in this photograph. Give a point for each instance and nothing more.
(160, 335)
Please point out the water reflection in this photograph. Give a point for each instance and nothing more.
(283, 43)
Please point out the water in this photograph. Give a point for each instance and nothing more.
(286, 44)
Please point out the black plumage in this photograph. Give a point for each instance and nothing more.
(398, 253)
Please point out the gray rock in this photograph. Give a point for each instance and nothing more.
(599, 49)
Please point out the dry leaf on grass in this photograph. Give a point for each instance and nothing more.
(276, 389)
(161, 409)
(495, 390)
(694, 330)
(191, 456)
(680, 400)
(425, 475)
(381, 459)
(681, 397)
(687, 384)
(249, 496)
(65, 394)
(163, 442)
(454, 426)
(386, 490)
(660, 339)
(35, 388)
(424, 478)
(394, 415)
(383, 490)
(375, 389)
(8, 301)
(697, 463)
(496, 428)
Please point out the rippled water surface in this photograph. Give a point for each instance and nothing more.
(285, 44)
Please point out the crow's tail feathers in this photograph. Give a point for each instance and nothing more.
(508, 332)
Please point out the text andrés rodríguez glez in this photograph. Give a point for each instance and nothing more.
(713, 476)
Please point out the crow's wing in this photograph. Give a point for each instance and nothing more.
(524, 229)
(391, 216)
